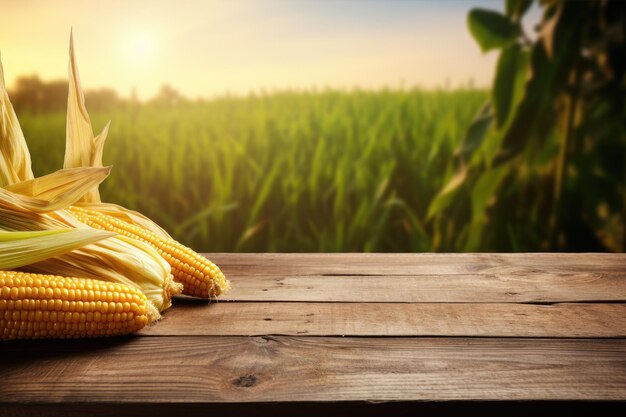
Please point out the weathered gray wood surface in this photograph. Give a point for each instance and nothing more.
(350, 328)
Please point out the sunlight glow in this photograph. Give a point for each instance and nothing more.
(140, 49)
(211, 48)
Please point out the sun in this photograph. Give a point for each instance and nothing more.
(140, 48)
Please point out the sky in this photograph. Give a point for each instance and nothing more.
(209, 48)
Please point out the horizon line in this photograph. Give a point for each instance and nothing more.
(401, 85)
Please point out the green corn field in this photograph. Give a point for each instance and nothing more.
(329, 171)
(318, 171)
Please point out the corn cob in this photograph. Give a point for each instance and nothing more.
(118, 259)
(47, 306)
(199, 276)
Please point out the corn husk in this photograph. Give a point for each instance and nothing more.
(15, 165)
(117, 259)
(83, 149)
(121, 260)
(57, 190)
(22, 248)
(30, 204)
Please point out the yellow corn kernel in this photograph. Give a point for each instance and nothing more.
(52, 314)
(199, 276)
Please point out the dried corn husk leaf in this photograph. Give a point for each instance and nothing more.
(82, 149)
(22, 248)
(36, 205)
(59, 189)
(15, 165)
(117, 259)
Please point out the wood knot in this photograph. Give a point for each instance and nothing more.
(245, 381)
(262, 339)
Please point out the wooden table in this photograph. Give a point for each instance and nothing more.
(331, 332)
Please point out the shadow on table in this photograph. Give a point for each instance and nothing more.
(191, 301)
(302, 409)
(15, 355)
(18, 354)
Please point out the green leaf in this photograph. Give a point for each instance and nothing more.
(484, 189)
(491, 29)
(443, 199)
(515, 9)
(476, 132)
(536, 114)
(504, 84)
(482, 195)
(417, 231)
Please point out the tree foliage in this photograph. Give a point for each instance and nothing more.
(543, 165)
(32, 95)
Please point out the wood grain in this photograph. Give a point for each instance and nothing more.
(492, 288)
(421, 329)
(492, 278)
(252, 369)
(392, 319)
(387, 264)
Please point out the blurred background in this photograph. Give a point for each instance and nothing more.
(341, 126)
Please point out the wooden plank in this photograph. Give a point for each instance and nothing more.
(387, 264)
(496, 288)
(501, 278)
(392, 319)
(257, 369)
